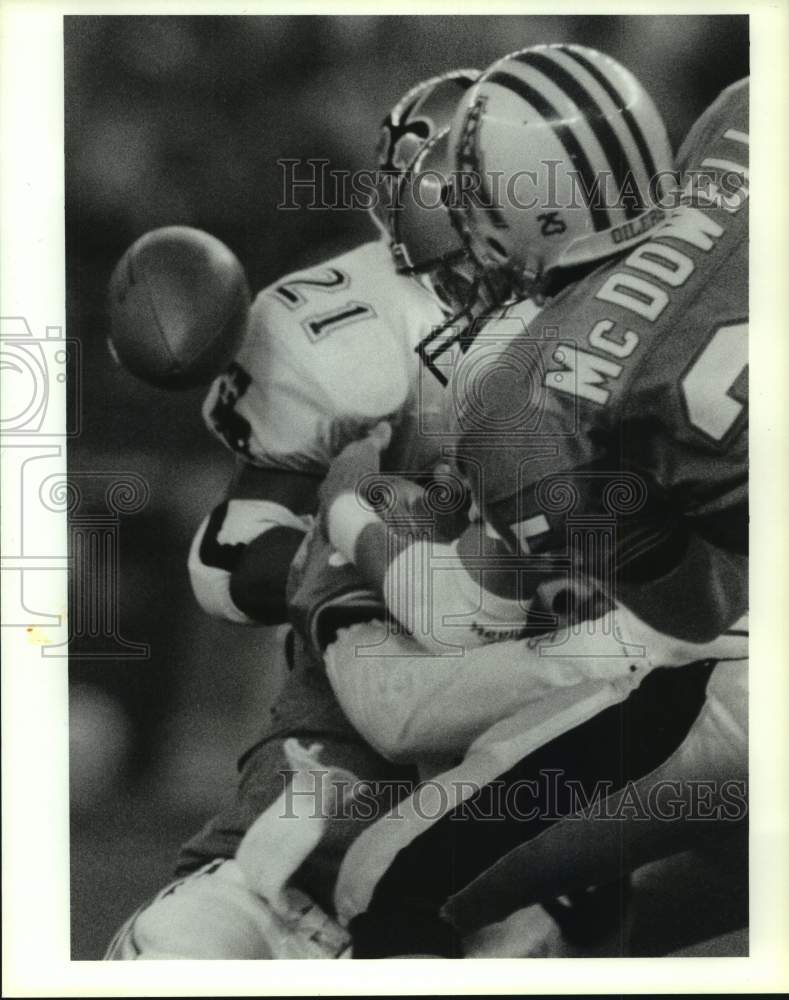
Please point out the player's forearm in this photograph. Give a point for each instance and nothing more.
(677, 604)
(376, 547)
(428, 586)
(241, 555)
(258, 582)
(372, 546)
(240, 559)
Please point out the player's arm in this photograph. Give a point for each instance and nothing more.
(683, 574)
(412, 707)
(241, 554)
(671, 571)
(701, 440)
(442, 593)
(698, 598)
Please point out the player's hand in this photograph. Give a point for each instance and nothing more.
(343, 512)
(355, 461)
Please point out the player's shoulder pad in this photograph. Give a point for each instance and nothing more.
(723, 123)
(338, 322)
(316, 298)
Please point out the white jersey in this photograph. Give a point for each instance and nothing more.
(328, 353)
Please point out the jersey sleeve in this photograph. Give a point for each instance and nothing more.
(693, 383)
(697, 445)
(221, 546)
(240, 557)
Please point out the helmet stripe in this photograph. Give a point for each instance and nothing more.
(600, 218)
(616, 97)
(614, 113)
(595, 118)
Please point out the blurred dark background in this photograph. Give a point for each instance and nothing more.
(181, 120)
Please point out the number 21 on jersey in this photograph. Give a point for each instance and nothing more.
(293, 294)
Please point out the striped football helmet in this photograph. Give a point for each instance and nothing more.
(561, 159)
(425, 110)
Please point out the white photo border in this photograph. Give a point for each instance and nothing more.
(36, 942)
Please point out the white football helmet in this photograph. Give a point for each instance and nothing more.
(561, 159)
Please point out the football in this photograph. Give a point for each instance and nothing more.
(178, 307)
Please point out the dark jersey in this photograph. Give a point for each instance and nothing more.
(622, 408)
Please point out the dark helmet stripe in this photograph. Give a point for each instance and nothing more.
(600, 218)
(619, 101)
(595, 118)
